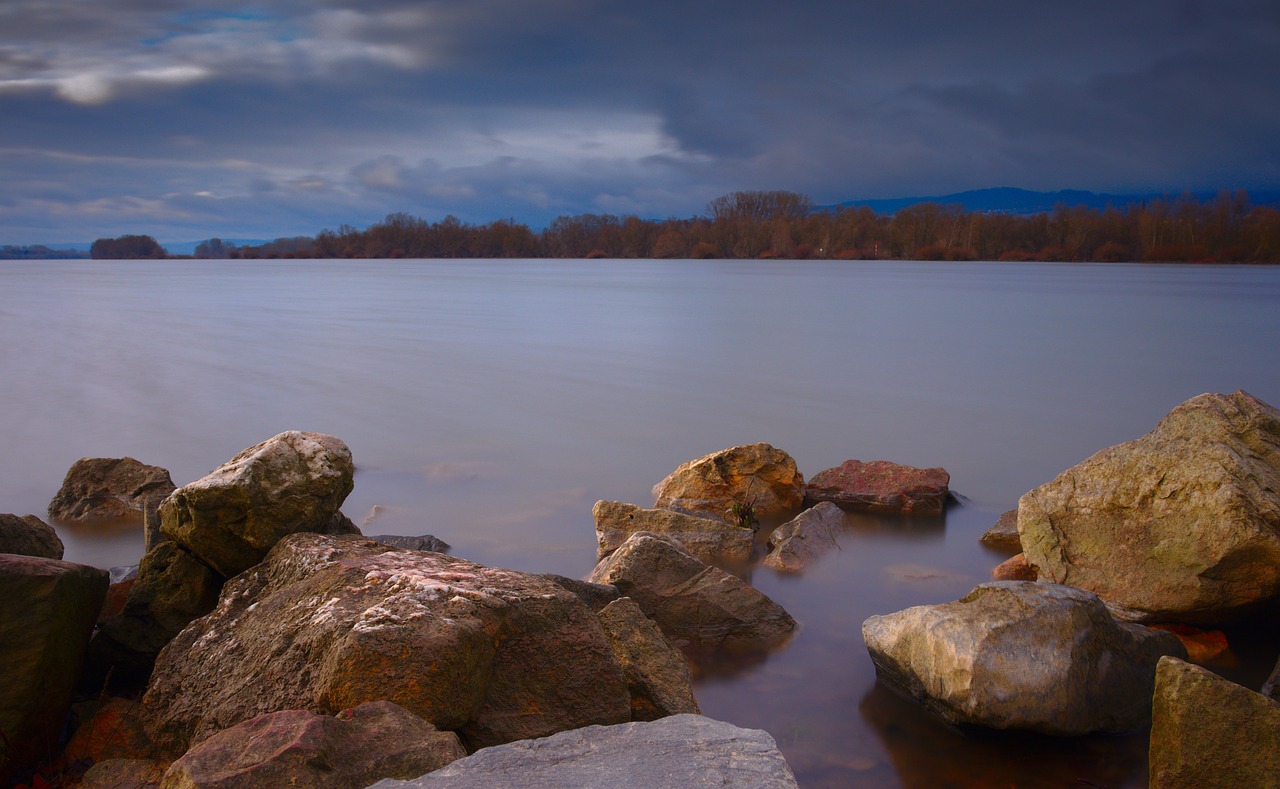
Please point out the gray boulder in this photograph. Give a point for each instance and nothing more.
(425, 542)
(678, 752)
(757, 474)
(1004, 534)
(108, 489)
(657, 674)
(1181, 525)
(709, 539)
(1022, 655)
(1209, 732)
(27, 535)
(812, 534)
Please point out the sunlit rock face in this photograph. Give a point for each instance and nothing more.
(757, 474)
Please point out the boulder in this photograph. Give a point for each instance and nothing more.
(880, 486)
(692, 602)
(1202, 646)
(709, 539)
(114, 731)
(124, 774)
(686, 751)
(47, 611)
(1181, 525)
(328, 622)
(27, 535)
(1015, 568)
(293, 482)
(1004, 534)
(355, 748)
(425, 542)
(805, 538)
(1208, 732)
(657, 674)
(596, 596)
(108, 489)
(755, 474)
(1022, 655)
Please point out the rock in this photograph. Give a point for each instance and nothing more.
(756, 474)
(657, 674)
(47, 611)
(151, 534)
(686, 751)
(1202, 646)
(124, 774)
(328, 622)
(1022, 655)
(115, 731)
(1271, 688)
(1181, 525)
(425, 542)
(1004, 534)
(358, 747)
(805, 538)
(709, 539)
(108, 489)
(1208, 732)
(117, 596)
(880, 486)
(596, 596)
(1015, 568)
(692, 602)
(27, 535)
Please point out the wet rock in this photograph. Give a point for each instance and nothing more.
(108, 489)
(1015, 568)
(325, 623)
(1022, 655)
(756, 474)
(124, 774)
(692, 602)
(709, 539)
(27, 535)
(809, 536)
(1181, 525)
(425, 542)
(292, 482)
(1004, 534)
(657, 674)
(1207, 731)
(687, 751)
(47, 611)
(880, 486)
(355, 748)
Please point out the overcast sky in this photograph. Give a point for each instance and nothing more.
(186, 120)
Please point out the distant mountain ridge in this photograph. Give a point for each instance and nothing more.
(1025, 202)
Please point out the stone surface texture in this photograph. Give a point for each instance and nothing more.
(758, 474)
(1004, 534)
(27, 535)
(709, 539)
(328, 622)
(881, 486)
(108, 489)
(809, 536)
(424, 542)
(124, 774)
(1022, 655)
(657, 674)
(1015, 568)
(684, 751)
(1181, 525)
(1209, 732)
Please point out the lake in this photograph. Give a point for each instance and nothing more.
(491, 403)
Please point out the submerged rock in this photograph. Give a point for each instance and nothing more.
(880, 486)
(709, 539)
(27, 535)
(756, 474)
(1181, 525)
(812, 534)
(1004, 534)
(108, 489)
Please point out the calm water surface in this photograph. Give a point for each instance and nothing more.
(492, 403)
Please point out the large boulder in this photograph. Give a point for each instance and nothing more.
(693, 603)
(796, 544)
(292, 482)
(881, 486)
(757, 474)
(657, 674)
(328, 622)
(686, 751)
(1209, 732)
(1180, 525)
(709, 539)
(355, 748)
(108, 489)
(1022, 655)
(27, 535)
(47, 611)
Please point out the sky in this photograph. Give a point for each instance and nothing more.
(187, 120)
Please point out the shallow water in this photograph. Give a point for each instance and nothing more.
(492, 403)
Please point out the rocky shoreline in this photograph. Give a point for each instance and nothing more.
(263, 640)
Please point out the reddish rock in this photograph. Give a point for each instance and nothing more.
(1014, 569)
(117, 596)
(114, 732)
(1202, 645)
(108, 489)
(881, 486)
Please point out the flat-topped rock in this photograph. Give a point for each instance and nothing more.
(880, 486)
(709, 539)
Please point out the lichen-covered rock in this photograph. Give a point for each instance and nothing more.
(1181, 525)
(692, 602)
(27, 535)
(709, 539)
(1004, 534)
(756, 474)
(47, 611)
(796, 544)
(1022, 655)
(657, 674)
(880, 486)
(1209, 732)
(108, 489)
(292, 482)
(325, 623)
(355, 748)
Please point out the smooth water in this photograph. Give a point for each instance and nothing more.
(492, 403)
